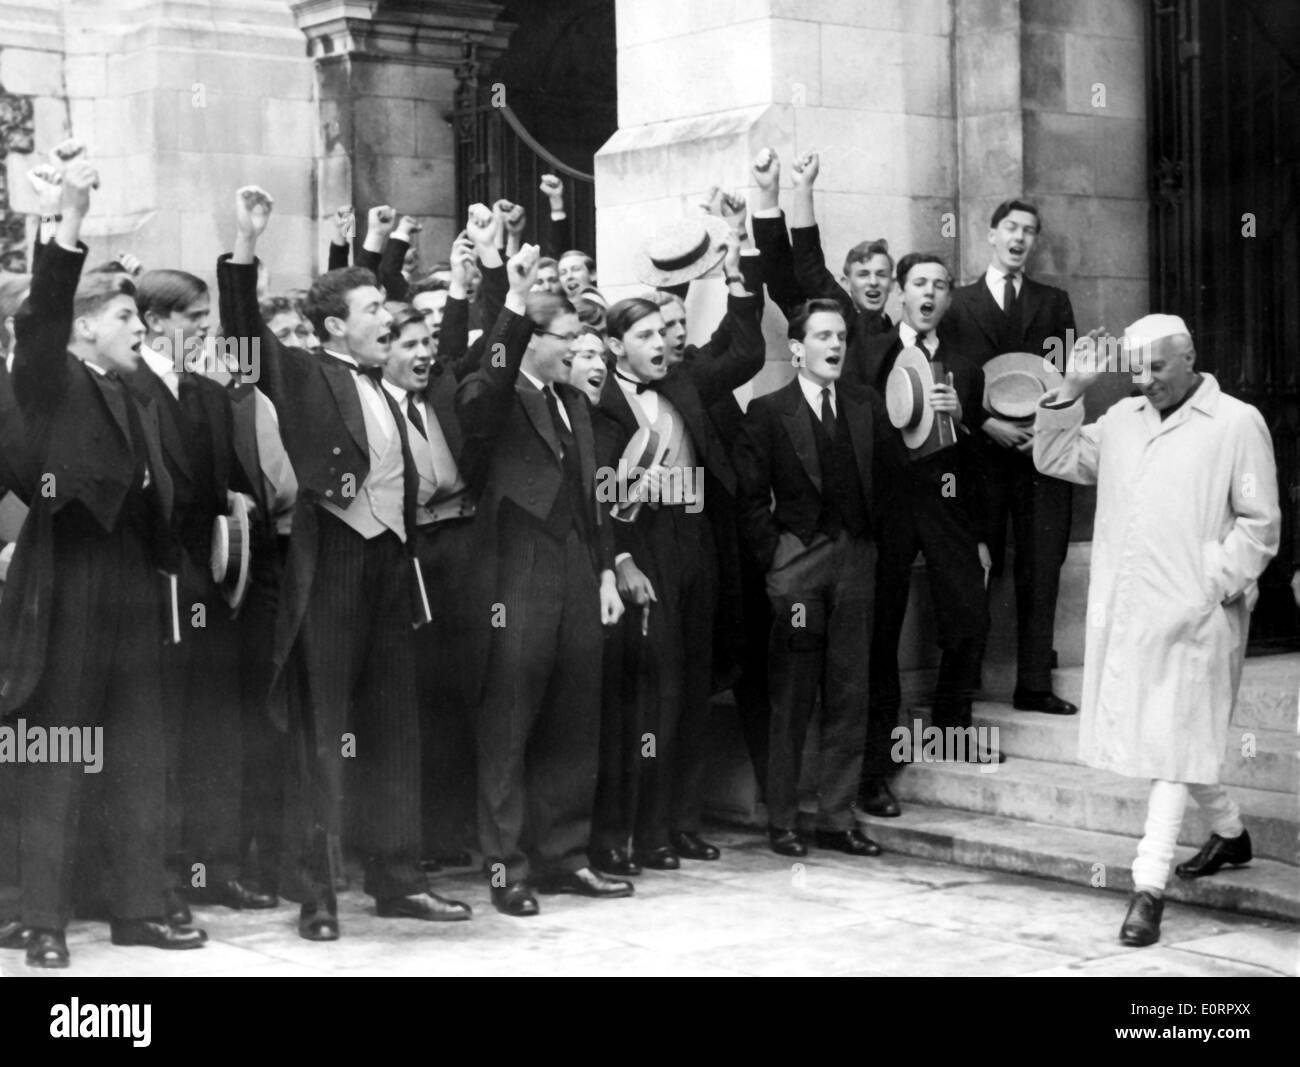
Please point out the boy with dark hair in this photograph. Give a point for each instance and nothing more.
(1004, 311)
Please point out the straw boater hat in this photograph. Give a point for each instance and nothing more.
(1015, 382)
(907, 399)
(682, 251)
(230, 551)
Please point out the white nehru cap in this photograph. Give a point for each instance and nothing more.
(1151, 328)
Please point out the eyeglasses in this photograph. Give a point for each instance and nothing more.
(567, 338)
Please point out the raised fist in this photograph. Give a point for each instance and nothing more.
(552, 187)
(806, 168)
(521, 269)
(516, 220)
(46, 179)
(345, 225)
(252, 210)
(380, 220)
(767, 169)
(481, 226)
(79, 177)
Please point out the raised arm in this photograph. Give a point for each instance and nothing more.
(43, 325)
(810, 269)
(729, 369)
(1063, 446)
(380, 221)
(771, 236)
(345, 224)
(558, 236)
(390, 274)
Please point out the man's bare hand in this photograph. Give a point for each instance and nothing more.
(731, 257)
(380, 221)
(1007, 434)
(633, 586)
(65, 152)
(79, 177)
(521, 270)
(553, 188)
(516, 219)
(252, 210)
(611, 604)
(943, 398)
(734, 211)
(345, 225)
(1084, 366)
(806, 169)
(481, 226)
(406, 228)
(46, 179)
(767, 170)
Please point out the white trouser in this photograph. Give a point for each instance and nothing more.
(1164, 819)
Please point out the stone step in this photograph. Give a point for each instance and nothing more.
(1256, 758)
(1059, 794)
(1267, 699)
(1081, 857)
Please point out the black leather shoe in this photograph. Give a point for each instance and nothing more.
(662, 858)
(585, 883)
(1215, 853)
(234, 894)
(177, 911)
(47, 948)
(153, 933)
(428, 906)
(13, 934)
(1142, 923)
(514, 899)
(692, 846)
(876, 798)
(854, 842)
(614, 861)
(454, 860)
(318, 920)
(1041, 700)
(786, 842)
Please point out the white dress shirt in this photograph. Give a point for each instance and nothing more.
(996, 279)
(371, 397)
(541, 386)
(813, 394)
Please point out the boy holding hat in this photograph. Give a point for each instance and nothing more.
(1187, 519)
(1007, 317)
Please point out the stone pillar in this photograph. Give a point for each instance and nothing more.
(1051, 106)
(387, 78)
(702, 87)
(181, 102)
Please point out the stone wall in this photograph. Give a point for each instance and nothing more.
(181, 102)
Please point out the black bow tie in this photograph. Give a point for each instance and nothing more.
(641, 387)
(375, 374)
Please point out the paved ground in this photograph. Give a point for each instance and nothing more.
(751, 913)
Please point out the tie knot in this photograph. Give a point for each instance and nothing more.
(375, 374)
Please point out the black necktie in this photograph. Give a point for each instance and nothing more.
(1009, 294)
(920, 343)
(561, 428)
(641, 387)
(413, 413)
(828, 414)
(375, 374)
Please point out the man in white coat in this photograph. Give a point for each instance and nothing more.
(1187, 518)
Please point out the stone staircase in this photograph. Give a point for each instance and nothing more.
(1042, 813)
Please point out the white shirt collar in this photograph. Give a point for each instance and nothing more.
(95, 367)
(157, 362)
(339, 355)
(395, 391)
(541, 386)
(813, 393)
(907, 334)
(996, 279)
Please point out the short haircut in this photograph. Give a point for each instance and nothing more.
(1007, 206)
(915, 259)
(627, 313)
(864, 250)
(798, 324)
(547, 261)
(591, 263)
(328, 296)
(95, 291)
(404, 315)
(166, 291)
(664, 297)
(543, 308)
(428, 285)
(277, 305)
(594, 331)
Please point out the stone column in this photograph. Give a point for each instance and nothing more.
(387, 78)
(702, 87)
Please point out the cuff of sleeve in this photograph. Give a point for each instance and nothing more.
(768, 213)
(621, 557)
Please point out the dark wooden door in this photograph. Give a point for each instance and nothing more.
(1224, 118)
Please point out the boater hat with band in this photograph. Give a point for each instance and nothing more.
(907, 399)
(1015, 382)
(682, 251)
